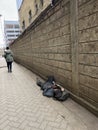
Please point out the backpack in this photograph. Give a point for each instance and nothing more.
(64, 96)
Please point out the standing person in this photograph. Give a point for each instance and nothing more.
(9, 58)
(52, 2)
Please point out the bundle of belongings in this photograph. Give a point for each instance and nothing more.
(51, 89)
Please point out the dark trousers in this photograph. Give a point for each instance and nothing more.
(52, 2)
(9, 66)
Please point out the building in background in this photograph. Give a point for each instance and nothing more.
(2, 40)
(12, 31)
(29, 10)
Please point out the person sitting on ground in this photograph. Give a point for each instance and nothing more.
(51, 89)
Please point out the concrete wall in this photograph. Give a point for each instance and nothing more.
(88, 51)
(63, 42)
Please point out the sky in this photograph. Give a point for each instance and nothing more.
(8, 10)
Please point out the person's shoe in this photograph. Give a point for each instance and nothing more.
(8, 71)
(11, 71)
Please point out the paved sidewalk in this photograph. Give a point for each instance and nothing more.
(22, 106)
